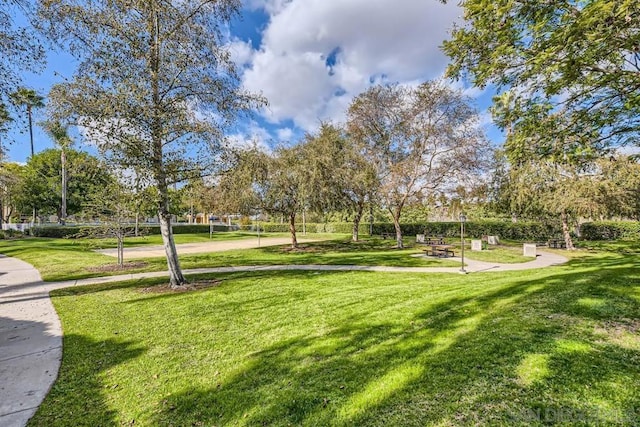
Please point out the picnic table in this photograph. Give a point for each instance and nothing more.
(441, 251)
(557, 243)
(434, 240)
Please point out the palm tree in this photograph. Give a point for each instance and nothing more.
(30, 100)
(60, 136)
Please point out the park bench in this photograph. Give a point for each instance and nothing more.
(387, 235)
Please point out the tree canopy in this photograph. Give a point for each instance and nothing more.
(421, 140)
(41, 182)
(156, 88)
(570, 67)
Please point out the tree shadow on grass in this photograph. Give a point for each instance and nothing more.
(526, 354)
(79, 395)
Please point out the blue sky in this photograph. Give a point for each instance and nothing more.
(310, 58)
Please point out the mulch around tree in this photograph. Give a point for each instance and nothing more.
(189, 287)
(115, 267)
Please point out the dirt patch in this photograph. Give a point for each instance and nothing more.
(300, 249)
(115, 267)
(192, 286)
(631, 326)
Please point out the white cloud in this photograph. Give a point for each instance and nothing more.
(316, 55)
(270, 6)
(285, 134)
(486, 119)
(253, 136)
(241, 52)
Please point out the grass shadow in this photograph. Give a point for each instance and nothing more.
(519, 355)
(80, 394)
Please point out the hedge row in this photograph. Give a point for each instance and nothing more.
(9, 234)
(604, 230)
(505, 230)
(312, 227)
(610, 230)
(70, 231)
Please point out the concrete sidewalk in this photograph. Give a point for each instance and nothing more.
(31, 335)
(151, 251)
(30, 341)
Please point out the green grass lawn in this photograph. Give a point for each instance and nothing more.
(66, 259)
(156, 239)
(502, 254)
(540, 347)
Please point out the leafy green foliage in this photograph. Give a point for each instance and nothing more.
(41, 184)
(11, 176)
(69, 231)
(521, 230)
(569, 66)
(610, 230)
(320, 227)
(155, 87)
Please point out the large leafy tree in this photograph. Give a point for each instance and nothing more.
(599, 189)
(421, 140)
(281, 184)
(11, 175)
(155, 87)
(577, 58)
(29, 100)
(340, 177)
(41, 183)
(275, 183)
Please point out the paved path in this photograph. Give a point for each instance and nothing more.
(30, 341)
(31, 335)
(152, 251)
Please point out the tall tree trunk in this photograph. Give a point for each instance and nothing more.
(565, 231)
(395, 214)
(63, 206)
(137, 227)
(176, 278)
(120, 249)
(292, 230)
(356, 221)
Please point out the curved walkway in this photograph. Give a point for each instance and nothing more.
(151, 251)
(31, 335)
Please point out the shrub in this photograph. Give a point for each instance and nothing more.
(56, 232)
(503, 229)
(10, 234)
(61, 232)
(313, 227)
(610, 230)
